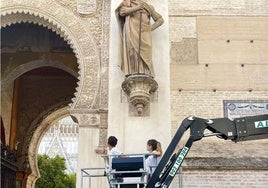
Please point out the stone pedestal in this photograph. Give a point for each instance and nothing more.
(138, 88)
(134, 131)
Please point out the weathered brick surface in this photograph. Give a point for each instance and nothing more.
(184, 52)
(218, 7)
(226, 163)
(219, 52)
(207, 104)
(225, 178)
(222, 77)
(210, 154)
(181, 27)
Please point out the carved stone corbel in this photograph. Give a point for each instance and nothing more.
(138, 88)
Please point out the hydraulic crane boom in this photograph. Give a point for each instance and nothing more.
(239, 129)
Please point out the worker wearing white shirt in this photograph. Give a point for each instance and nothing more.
(154, 148)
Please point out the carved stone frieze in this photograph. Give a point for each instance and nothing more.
(68, 4)
(86, 6)
(89, 120)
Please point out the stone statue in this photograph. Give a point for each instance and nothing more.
(133, 18)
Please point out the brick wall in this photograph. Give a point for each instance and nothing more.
(218, 7)
(224, 178)
(207, 104)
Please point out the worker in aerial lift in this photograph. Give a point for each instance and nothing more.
(112, 150)
(154, 148)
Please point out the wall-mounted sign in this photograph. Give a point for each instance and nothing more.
(237, 108)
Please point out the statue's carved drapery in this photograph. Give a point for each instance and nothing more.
(135, 46)
(133, 18)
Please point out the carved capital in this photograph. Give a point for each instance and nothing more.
(139, 87)
(86, 118)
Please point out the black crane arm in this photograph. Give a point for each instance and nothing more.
(239, 129)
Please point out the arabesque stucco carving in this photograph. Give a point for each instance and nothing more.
(73, 29)
(87, 36)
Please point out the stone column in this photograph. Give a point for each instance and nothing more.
(88, 139)
(134, 131)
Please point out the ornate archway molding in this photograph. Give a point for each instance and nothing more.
(73, 29)
(76, 31)
(18, 71)
(36, 139)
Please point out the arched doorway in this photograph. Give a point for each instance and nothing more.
(39, 73)
(44, 125)
(76, 34)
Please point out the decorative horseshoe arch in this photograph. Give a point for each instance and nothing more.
(36, 139)
(77, 34)
(18, 71)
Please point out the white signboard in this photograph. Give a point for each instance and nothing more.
(236, 109)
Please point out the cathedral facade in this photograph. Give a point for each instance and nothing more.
(59, 58)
